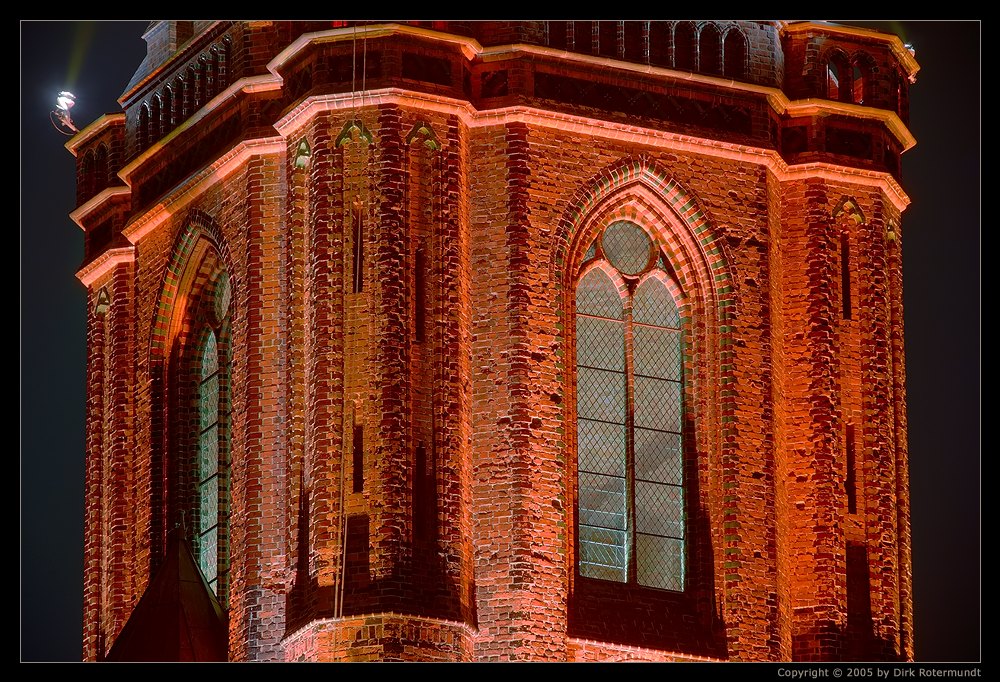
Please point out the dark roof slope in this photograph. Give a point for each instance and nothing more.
(178, 617)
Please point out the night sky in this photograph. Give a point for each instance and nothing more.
(941, 254)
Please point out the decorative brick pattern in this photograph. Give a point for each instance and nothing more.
(447, 528)
(381, 637)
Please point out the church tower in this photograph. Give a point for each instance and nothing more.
(483, 341)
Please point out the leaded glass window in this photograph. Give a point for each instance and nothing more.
(208, 461)
(629, 377)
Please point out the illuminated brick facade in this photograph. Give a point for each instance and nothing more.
(383, 226)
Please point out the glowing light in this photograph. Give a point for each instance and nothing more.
(65, 101)
(82, 38)
(60, 117)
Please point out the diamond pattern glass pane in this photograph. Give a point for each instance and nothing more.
(627, 247)
(602, 553)
(208, 454)
(659, 509)
(602, 501)
(604, 505)
(591, 252)
(657, 404)
(208, 406)
(597, 295)
(659, 562)
(657, 352)
(653, 304)
(600, 395)
(658, 457)
(209, 513)
(208, 554)
(210, 356)
(601, 447)
(600, 343)
(222, 296)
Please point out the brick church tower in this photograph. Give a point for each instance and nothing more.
(563, 341)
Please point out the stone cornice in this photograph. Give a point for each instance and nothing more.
(97, 268)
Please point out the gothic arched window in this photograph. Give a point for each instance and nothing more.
(861, 82)
(101, 168)
(838, 77)
(144, 135)
(209, 468)
(629, 399)
(735, 50)
(710, 50)
(88, 178)
(167, 115)
(660, 42)
(155, 119)
(201, 449)
(685, 47)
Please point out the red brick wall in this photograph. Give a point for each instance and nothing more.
(467, 551)
(807, 54)
(381, 637)
(781, 627)
(904, 565)
(519, 493)
(93, 481)
(110, 588)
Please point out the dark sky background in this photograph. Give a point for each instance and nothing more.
(941, 255)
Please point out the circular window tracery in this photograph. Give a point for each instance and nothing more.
(627, 247)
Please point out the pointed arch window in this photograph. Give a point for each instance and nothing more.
(735, 50)
(101, 168)
(88, 178)
(167, 114)
(861, 80)
(208, 460)
(685, 47)
(210, 467)
(838, 77)
(144, 134)
(660, 43)
(833, 76)
(629, 374)
(155, 118)
(191, 360)
(710, 49)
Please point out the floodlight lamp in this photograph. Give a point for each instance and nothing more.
(61, 120)
(65, 101)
